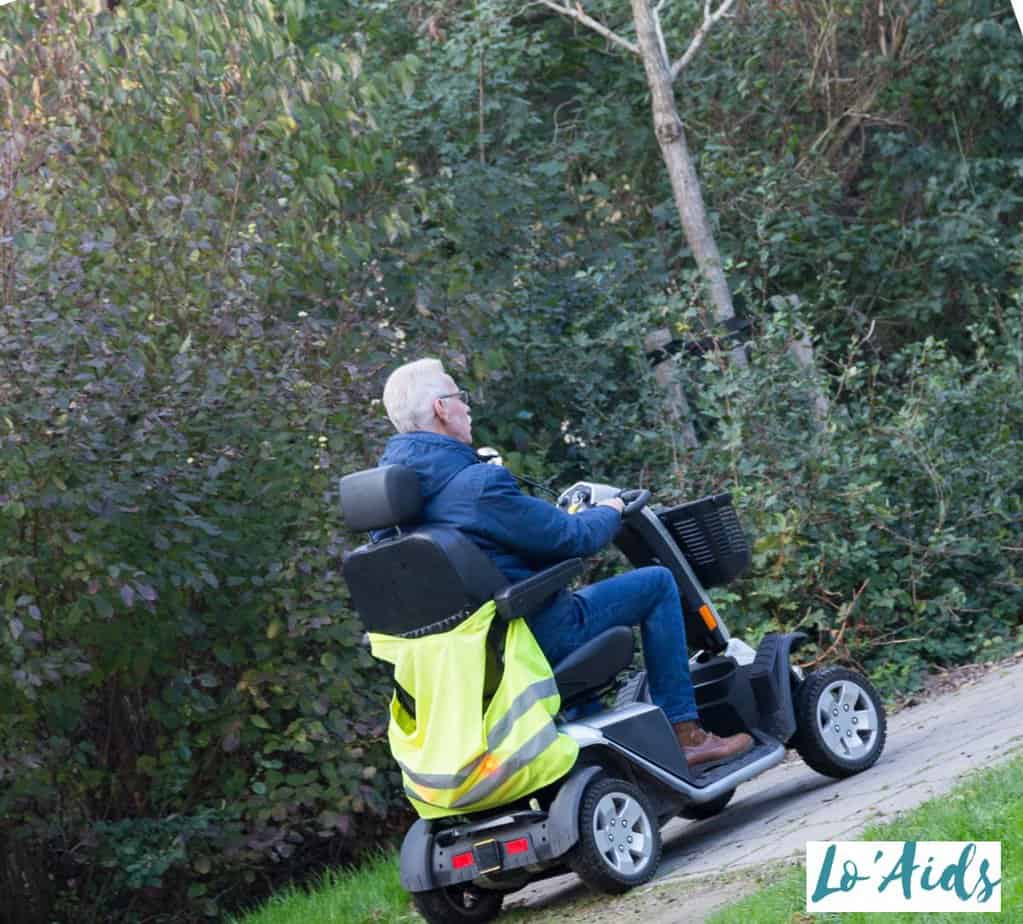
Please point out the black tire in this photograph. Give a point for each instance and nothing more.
(619, 842)
(697, 811)
(840, 722)
(458, 904)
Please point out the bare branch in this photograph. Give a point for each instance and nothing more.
(709, 21)
(578, 15)
(660, 38)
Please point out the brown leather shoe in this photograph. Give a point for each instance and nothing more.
(702, 747)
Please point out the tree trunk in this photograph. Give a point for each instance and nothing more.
(800, 348)
(685, 185)
(666, 377)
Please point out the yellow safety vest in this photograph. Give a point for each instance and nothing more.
(454, 756)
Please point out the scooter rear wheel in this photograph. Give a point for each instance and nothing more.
(840, 722)
(459, 903)
(619, 842)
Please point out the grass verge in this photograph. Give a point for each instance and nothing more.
(368, 894)
(987, 807)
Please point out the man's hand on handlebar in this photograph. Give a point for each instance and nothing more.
(585, 494)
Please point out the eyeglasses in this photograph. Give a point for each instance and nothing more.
(461, 394)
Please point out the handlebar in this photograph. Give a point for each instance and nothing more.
(635, 500)
(584, 494)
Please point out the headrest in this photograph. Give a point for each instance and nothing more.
(380, 497)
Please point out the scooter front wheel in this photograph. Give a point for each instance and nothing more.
(458, 904)
(619, 843)
(840, 722)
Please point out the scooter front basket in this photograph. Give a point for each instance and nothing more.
(710, 536)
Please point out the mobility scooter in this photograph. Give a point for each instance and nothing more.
(626, 775)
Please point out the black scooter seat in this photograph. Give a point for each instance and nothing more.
(593, 666)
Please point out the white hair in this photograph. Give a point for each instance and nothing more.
(410, 392)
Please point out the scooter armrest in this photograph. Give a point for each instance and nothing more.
(527, 597)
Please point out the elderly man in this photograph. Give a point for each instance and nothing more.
(523, 535)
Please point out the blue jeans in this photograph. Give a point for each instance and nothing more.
(646, 597)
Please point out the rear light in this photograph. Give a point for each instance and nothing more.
(519, 845)
(462, 860)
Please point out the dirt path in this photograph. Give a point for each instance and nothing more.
(973, 719)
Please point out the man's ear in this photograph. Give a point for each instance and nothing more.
(439, 410)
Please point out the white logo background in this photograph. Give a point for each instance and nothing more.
(904, 876)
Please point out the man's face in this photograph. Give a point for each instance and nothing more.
(455, 415)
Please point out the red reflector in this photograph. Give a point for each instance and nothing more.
(519, 845)
(462, 860)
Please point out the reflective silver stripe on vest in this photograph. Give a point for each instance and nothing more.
(522, 703)
(443, 780)
(532, 749)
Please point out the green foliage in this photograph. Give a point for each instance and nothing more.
(185, 698)
(176, 627)
(233, 164)
(885, 522)
(912, 206)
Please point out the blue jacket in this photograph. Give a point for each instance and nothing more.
(522, 534)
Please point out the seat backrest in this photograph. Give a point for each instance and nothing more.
(419, 582)
(422, 582)
(381, 497)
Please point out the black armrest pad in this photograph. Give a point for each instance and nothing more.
(528, 596)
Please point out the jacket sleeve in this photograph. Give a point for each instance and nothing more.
(535, 529)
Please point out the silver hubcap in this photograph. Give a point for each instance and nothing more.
(622, 833)
(847, 719)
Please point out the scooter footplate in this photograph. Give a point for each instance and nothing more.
(706, 774)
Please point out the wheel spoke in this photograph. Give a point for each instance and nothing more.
(855, 743)
(630, 814)
(848, 695)
(638, 845)
(627, 864)
(864, 720)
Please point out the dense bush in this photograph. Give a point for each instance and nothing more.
(187, 709)
(188, 684)
(887, 524)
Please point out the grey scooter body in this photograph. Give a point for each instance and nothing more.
(736, 688)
